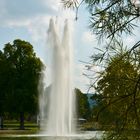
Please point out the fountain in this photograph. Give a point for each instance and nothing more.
(58, 120)
(57, 103)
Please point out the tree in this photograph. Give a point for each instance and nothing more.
(119, 89)
(22, 76)
(83, 108)
(107, 117)
(3, 83)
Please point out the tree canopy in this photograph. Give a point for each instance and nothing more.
(119, 88)
(20, 72)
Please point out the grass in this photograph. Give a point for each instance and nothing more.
(12, 127)
(12, 132)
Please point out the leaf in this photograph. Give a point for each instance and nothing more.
(70, 3)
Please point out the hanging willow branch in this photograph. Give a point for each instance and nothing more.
(72, 4)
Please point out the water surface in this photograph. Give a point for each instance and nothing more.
(88, 135)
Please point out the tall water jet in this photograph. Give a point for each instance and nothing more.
(61, 106)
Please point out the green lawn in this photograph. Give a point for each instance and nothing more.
(12, 127)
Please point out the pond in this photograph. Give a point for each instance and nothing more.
(87, 135)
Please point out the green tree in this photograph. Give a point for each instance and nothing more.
(119, 88)
(22, 76)
(106, 118)
(83, 108)
(3, 87)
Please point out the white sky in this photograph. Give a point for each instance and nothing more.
(28, 20)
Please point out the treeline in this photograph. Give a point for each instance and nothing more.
(19, 75)
(83, 106)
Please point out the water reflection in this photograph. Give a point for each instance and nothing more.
(39, 138)
(43, 138)
(86, 135)
(57, 138)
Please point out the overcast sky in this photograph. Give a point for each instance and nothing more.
(28, 20)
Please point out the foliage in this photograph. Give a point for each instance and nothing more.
(20, 71)
(83, 108)
(106, 118)
(2, 82)
(119, 99)
(70, 3)
(109, 18)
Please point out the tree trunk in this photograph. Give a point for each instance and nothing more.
(1, 122)
(21, 120)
